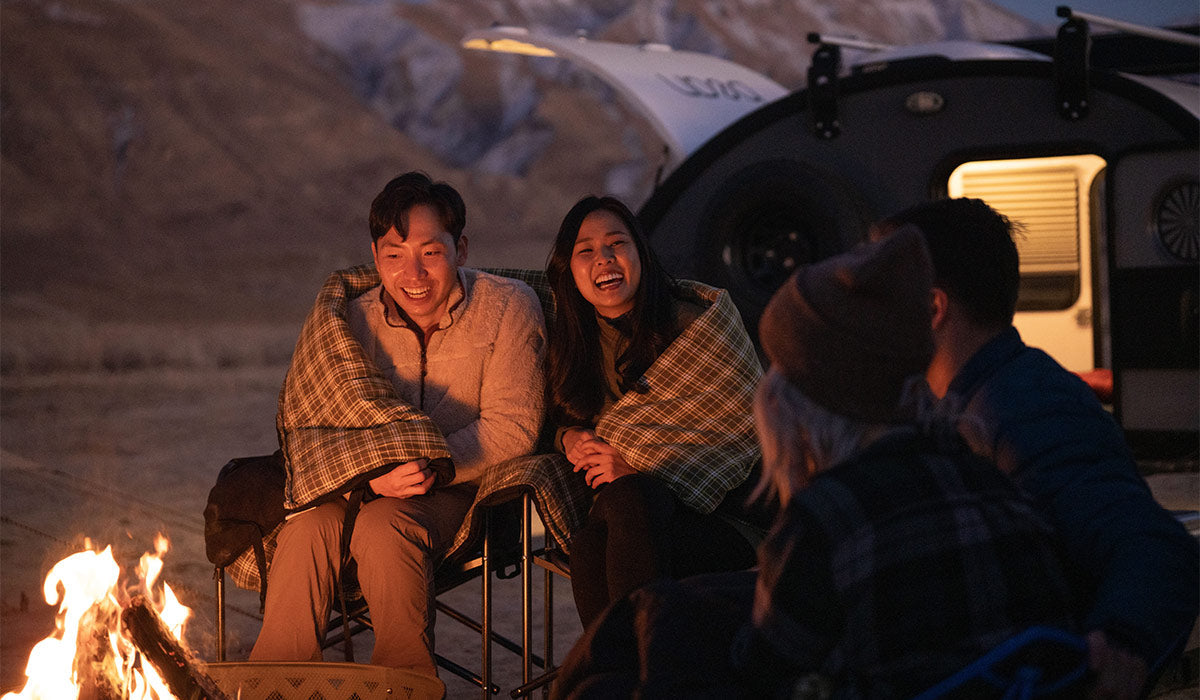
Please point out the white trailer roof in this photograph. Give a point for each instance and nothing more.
(687, 97)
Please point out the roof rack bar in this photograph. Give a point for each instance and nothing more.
(846, 42)
(1139, 29)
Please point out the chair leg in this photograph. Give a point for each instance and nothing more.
(219, 577)
(526, 591)
(549, 673)
(548, 632)
(485, 672)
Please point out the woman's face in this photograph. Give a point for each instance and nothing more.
(605, 264)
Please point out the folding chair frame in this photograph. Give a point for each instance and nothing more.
(553, 562)
(482, 565)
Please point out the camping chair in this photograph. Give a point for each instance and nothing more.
(495, 553)
(1038, 662)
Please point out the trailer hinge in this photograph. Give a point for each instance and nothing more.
(1072, 51)
(822, 90)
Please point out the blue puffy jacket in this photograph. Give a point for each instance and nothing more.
(1137, 567)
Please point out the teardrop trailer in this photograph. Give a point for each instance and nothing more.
(1099, 166)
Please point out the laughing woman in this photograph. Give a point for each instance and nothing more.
(651, 385)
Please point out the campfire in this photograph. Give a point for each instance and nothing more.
(113, 641)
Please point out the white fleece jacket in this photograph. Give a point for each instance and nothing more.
(479, 378)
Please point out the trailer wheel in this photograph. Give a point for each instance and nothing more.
(771, 218)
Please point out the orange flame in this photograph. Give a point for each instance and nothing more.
(89, 598)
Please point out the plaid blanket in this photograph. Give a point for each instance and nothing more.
(693, 428)
(339, 418)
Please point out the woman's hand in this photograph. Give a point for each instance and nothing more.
(405, 480)
(574, 440)
(600, 461)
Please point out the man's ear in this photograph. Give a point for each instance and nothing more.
(460, 250)
(938, 304)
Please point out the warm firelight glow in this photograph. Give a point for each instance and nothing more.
(173, 614)
(86, 588)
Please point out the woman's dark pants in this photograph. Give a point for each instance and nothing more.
(638, 531)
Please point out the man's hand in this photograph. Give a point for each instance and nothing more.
(600, 461)
(1116, 671)
(405, 480)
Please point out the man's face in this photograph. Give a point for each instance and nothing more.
(421, 271)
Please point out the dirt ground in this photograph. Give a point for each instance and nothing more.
(119, 457)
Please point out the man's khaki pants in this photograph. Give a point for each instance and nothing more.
(396, 544)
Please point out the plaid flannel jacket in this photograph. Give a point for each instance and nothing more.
(895, 569)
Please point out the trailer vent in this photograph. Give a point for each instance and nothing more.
(1045, 205)
(1175, 219)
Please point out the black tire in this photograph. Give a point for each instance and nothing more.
(770, 218)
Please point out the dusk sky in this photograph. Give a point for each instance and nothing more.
(1153, 12)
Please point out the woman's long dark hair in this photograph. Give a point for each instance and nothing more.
(576, 382)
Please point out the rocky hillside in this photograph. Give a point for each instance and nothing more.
(176, 178)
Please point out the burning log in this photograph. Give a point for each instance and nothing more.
(96, 661)
(181, 672)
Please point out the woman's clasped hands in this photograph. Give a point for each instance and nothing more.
(600, 461)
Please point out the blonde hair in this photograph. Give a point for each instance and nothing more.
(801, 438)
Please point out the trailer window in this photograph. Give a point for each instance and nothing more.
(1049, 199)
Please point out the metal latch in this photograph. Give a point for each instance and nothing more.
(822, 89)
(1072, 51)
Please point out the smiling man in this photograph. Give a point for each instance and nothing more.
(419, 270)
(408, 382)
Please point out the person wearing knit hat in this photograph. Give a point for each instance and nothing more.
(899, 557)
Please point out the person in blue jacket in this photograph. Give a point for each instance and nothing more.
(1044, 427)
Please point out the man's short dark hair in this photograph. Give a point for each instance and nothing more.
(391, 206)
(975, 259)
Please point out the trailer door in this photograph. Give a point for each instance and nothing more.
(1154, 210)
(1052, 203)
